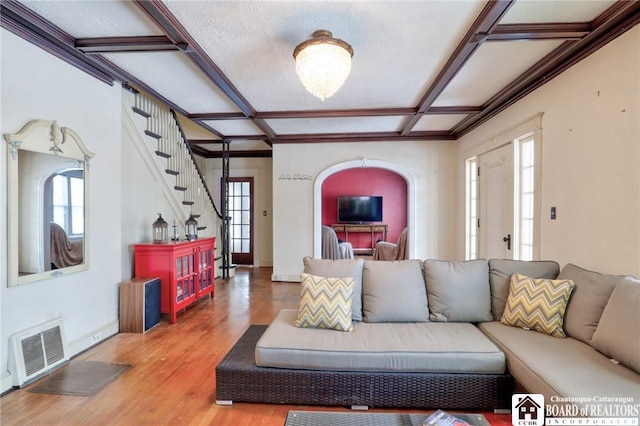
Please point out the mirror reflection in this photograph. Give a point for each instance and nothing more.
(51, 197)
(47, 202)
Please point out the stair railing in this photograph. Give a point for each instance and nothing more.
(172, 145)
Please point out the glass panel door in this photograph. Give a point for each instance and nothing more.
(241, 224)
(206, 269)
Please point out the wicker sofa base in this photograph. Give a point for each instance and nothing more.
(238, 379)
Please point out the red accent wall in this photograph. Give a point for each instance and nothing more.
(367, 181)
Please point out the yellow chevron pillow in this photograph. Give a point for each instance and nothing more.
(537, 304)
(325, 303)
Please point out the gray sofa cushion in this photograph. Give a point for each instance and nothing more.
(500, 271)
(342, 268)
(618, 334)
(407, 347)
(561, 367)
(458, 291)
(394, 292)
(590, 295)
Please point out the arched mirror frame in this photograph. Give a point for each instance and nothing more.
(45, 137)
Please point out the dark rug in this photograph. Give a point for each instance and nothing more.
(328, 418)
(80, 378)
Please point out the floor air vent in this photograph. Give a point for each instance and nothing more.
(36, 351)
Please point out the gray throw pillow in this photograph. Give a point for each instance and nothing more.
(342, 268)
(619, 327)
(458, 291)
(590, 295)
(500, 271)
(394, 292)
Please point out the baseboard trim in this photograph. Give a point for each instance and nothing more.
(6, 382)
(285, 278)
(91, 339)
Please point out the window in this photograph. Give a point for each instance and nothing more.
(67, 190)
(524, 197)
(240, 212)
(471, 246)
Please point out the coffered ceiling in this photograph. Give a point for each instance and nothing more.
(422, 70)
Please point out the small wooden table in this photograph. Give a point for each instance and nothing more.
(372, 229)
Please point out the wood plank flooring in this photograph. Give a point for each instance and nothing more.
(172, 381)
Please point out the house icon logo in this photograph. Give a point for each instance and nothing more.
(527, 409)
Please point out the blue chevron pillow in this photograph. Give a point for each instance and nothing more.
(325, 303)
(537, 304)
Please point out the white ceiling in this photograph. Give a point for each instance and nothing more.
(399, 49)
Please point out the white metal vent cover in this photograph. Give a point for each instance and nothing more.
(36, 351)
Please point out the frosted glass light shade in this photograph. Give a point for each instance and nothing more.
(323, 64)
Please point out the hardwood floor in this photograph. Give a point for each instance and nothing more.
(172, 379)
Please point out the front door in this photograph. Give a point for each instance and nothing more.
(241, 224)
(496, 203)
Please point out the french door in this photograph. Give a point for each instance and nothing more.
(241, 223)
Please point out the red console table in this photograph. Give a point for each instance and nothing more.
(185, 269)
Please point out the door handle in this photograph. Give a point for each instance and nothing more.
(507, 240)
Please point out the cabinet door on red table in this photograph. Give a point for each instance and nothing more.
(185, 277)
(205, 268)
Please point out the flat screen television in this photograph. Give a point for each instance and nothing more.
(360, 209)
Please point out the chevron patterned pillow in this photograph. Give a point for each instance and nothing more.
(325, 303)
(537, 304)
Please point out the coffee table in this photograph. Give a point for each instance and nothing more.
(330, 418)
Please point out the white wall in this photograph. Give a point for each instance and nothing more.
(432, 165)
(590, 159)
(261, 171)
(38, 85)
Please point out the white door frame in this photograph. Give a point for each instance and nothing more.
(532, 125)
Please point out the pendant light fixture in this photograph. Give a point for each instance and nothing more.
(323, 63)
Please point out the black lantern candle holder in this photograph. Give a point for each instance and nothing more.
(160, 231)
(191, 228)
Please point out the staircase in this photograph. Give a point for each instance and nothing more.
(169, 158)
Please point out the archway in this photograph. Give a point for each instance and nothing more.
(364, 162)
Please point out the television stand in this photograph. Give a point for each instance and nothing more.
(372, 229)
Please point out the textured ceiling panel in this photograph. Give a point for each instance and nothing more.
(248, 144)
(492, 68)
(175, 77)
(398, 46)
(95, 18)
(234, 127)
(238, 145)
(438, 122)
(193, 130)
(555, 11)
(336, 125)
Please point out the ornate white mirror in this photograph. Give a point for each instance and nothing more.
(48, 197)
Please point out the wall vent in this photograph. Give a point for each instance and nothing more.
(37, 351)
